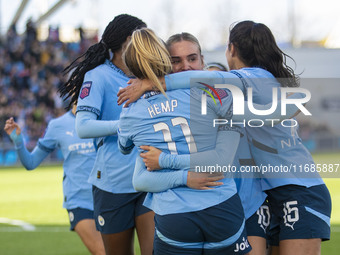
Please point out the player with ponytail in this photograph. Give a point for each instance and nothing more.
(256, 47)
(300, 203)
(209, 220)
(94, 83)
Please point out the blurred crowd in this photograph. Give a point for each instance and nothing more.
(30, 72)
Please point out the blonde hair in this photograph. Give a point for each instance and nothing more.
(147, 57)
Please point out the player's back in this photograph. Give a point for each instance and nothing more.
(79, 156)
(160, 122)
(175, 125)
(278, 145)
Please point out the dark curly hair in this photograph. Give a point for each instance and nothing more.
(114, 36)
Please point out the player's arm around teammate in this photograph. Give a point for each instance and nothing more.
(186, 55)
(247, 59)
(138, 124)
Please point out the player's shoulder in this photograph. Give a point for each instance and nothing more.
(135, 108)
(253, 72)
(179, 94)
(97, 73)
(62, 121)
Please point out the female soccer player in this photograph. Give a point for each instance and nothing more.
(79, 155)
(94, 85)
(185, 52)
(188, 221)
(186, 55)
(300, 203)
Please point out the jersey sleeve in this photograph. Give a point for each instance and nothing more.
(220, 102)
(221, 155)
(30, 160)
(87, 125)
(156, 181)
(91, 94)
(125, 143)
(190, 79)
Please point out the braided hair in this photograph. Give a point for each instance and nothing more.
(256, 46)
(114, 36)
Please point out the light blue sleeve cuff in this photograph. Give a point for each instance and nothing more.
(162, 160)
(17, 139)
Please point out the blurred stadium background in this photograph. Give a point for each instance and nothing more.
(35, 47)
(34, 51)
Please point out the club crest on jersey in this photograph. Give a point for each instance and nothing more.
(221, 93)
(85, 90)
(71, 216)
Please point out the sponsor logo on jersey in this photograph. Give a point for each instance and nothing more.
(80, 146)
(85, 90)
(71, 216)
(101, 220)
(242, 246)
(69, 133)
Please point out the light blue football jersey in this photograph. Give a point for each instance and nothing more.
(175, 125)
(248, 186)
(278, 145)
(273, 146)
(79, 156)
(112, 170)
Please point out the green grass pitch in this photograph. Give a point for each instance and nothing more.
(35, 198)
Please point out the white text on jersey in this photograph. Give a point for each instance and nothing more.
(78, 146)
(162, 107)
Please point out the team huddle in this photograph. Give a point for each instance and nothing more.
(135, 167)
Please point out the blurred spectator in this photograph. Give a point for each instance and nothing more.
(30, 73)
(31, 33)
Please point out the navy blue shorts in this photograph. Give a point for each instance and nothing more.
(116, 213)
(78, 214)
(219, 229)
(258, 223)
(299, 213)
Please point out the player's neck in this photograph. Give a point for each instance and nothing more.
(118, 62)
(74, 108)
(238, 64)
